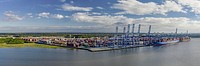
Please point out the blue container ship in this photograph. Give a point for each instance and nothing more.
(166, 41)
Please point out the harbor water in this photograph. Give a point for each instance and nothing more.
(180, 54)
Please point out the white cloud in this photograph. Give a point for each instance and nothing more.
(38, 17)
(44, 14)
(96, 13)
(11, 16)
(159, 24)
(66, 16)
(168, 23)
(71, 2)
(68, 7)
(193, 4)
(139, 8)
(99, 7)
(111, 20)
(57, 16)
(103, 19)
(169, 20)
(108, 3)
(29, 14)
(169, 6)
(62, 0)
(52, 28)
(49, 15)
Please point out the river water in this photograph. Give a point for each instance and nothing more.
(180, 54)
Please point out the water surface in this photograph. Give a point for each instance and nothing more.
(181, 54)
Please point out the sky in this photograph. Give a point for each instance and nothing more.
(99, 15)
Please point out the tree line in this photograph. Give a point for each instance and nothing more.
(11, 41)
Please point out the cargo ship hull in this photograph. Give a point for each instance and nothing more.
(167, 42)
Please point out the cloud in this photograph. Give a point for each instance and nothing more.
(11, 16)
(49, 15)
(96, 13)
(52, 28)
(71, 2)
(58, 16)
(29, 14)
(99, 7)
(170, 6)
(164, 21)
(62, 0)
(100, 19)
(113, 20)
(44, 14)
(138, 8)
(66, 16)
(167, 24)
(193, 4)
(68, 7)
(108, 3)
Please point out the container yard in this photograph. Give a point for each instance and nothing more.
(129, 39)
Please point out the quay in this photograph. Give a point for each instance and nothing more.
(106, 48)
(129, 39)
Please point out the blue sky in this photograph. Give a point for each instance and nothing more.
(98, 15)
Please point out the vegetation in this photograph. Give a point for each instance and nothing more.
(67, 35)
(18, 43)
(11, 41)
(7, 42)
(31, 45)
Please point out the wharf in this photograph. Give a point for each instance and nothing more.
(99, 49)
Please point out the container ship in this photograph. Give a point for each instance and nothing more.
(185, 39)
(164, 41)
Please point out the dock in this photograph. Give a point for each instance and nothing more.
(99, 49)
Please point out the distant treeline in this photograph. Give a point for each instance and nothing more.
(72, 35)
(196, 35)
(11, 41)
(67, 35)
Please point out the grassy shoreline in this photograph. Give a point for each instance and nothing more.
(26, 45)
